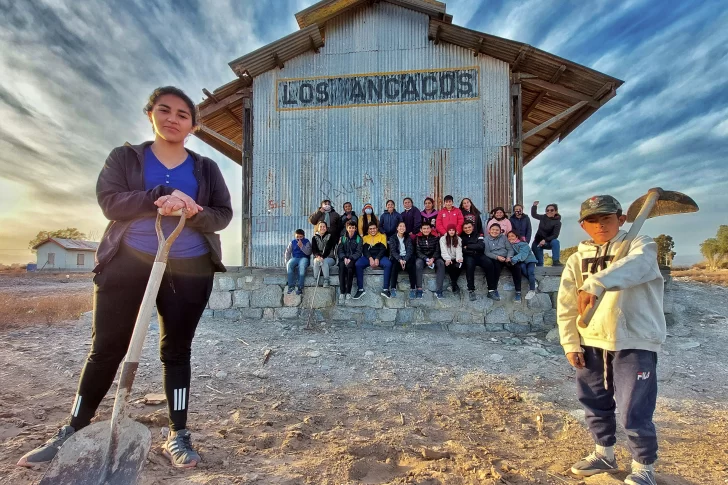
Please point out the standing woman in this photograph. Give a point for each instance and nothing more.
(429, 214)
(367, 217)
(389, 220)
(134, 182)
(500, 218)
(472, 214)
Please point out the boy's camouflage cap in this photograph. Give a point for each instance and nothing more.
(599, 204)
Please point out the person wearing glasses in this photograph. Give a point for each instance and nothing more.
(521, 224)
(547, 235)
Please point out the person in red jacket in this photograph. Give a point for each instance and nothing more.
(449, 215)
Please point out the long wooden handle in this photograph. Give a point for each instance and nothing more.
(650, 201)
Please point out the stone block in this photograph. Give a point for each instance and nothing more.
(370, 315)
(493, 327)
(439, 316)
(208, 313)
(281, 280)
(292, 299)
(229, 314)
(286, 313)
(537, 321)
(520, 317)
(497, 315)
(345, 313)
(220, 300)
(668, 303)
(429, 327)
(251, 313)
(398, 302)
(387, 315)
(267, 297)
(268, 314)
(241, 298)
(405, 315)
(481, 305)
(321, 297)
(517, 327)
(370, 299)
(468, 318)
(451, 301)
(541, 301)
(225, 283)
(466, 328)
(549, 319)
(549, 284)
(426, 301)
(554, 299)
(250, 282)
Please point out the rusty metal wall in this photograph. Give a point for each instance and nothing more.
(371, 154)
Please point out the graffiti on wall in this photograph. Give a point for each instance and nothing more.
(361, 187)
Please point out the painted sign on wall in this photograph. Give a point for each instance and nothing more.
(426, 86)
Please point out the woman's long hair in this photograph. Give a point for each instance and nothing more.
(451, 241)
(474, 210)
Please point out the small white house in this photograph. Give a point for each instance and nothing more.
(66, 254)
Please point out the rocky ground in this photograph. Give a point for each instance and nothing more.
(343, 405)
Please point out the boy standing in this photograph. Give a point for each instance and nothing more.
(449, 215)
(297, 258)
(616, 355)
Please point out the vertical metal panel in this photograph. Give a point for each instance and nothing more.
(371, 154)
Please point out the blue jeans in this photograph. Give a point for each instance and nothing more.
(529, 271)
(631, 386)
(301, 264)
(554, 246)
(363, 262)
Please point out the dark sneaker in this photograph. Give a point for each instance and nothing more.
(299, 291)
(593, 464)
(290, 289)
(327, 282)
(393, 292)
(46, 452)
(472, 296)
(418, 294)
(641, 477)
(386, 294)
(178, 448)
(517, 297)
(556, 262)
(456, 289)
(359, 293)
(439, 295)
(413, 294)
(493, 295)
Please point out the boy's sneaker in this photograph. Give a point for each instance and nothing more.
(593, 464)
(518, 296)
(530, 294)
(393, 292)
(48, 450)
(641, 477)
(556, 262)
(472, 296)
(439, 295)
(413, 294)
(178, 448)
(359, 293)
(493, 295)
(386, 294)
(290, 289)
(299, 291)
(418, 294)
(456, 289)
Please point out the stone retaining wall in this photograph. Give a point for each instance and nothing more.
(259, 293)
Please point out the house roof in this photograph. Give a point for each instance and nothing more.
(74, 244)
(557, 94)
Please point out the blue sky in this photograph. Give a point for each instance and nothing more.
(76, 74)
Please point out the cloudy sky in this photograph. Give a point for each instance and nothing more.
(75, 76)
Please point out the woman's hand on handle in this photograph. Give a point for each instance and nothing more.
(178, 200)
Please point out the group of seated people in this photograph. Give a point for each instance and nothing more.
(444, 241)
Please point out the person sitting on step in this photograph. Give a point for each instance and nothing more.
(374, 254)
(523, 258)
(427, 248)
(349, 251)
(500, 252)
(402, 254)
(451, 249)
(323, 245)
(297, 257)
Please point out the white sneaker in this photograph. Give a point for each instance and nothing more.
(530, 294)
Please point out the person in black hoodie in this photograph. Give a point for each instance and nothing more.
(472, 214)
(474, 255)
(402, 254)
(547, 235)
(348, 215)
(327, 214)
(427, 248)
(350, 249)
(323, 252)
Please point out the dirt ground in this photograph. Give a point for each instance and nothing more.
(369, 406)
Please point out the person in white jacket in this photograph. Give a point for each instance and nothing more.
(616, 355)
(451, 250)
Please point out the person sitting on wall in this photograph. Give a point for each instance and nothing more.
(349, 251)
(374, 255)
(389, 219)
(367, 217)
(449, 215)
(524, 258)
(472, 214)
(348, 215)
(500, 252)
(402, 254)
(297, 257)
(451, 249)
(327, 214)
(499, 217)
(323, 252)
(547, 235)
(521, 224)
(429, 214)
(412, 217)
(474, 256)
(427, 248)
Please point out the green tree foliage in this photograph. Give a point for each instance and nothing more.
(67, 233)
(566, 252)
(715, 249)
(665, 253)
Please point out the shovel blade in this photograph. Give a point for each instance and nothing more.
(82, 460)
(669, 203)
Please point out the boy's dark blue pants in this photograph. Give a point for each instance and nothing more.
(631, 386)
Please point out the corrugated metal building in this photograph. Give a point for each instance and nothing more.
(381, 100)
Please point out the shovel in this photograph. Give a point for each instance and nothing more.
(655, 203)
(113, 452)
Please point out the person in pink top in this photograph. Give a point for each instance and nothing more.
(500, 218)
(449, 215)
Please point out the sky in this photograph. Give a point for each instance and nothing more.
(75, 77)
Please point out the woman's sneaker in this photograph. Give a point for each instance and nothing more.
(386, 293)
(593, 464)
(530, 294)
(359, 293)
(178, 448)
(46, 452)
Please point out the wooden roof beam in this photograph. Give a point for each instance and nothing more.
(313, 45)
(233, 116)
(554, 119)
(278, 62)
(476, 53)
(220, 137)
(577, 120)
(562, 90)
(541, 94)
(521, 56)
(437, 35)
(220, 105)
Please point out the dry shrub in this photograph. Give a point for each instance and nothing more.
(18, 311)
(719, 277)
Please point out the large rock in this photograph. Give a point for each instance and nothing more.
(346, 313)
(286, 313)
(426, 300)
(549, 284)
(468, 318)
(541, 301)
(497, 315)
(438, 316)
(450, 300)
(399, 301)
(228, 314)
(493, 327)
(241, 298)
(251, 313)
(517, 327)
(405, 316)
(225, 283)
(520, 317)
(292, 299)
(321, 297)
(481, 305)
(549, 319)
(386, 315)
(281, 280)
(220, 300)
(537, 321)
(250, 282)
(267, 297)
(371, 299)
(466, 328)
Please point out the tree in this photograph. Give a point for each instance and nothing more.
(566, 252)
(665, 254)
(67, 233)
(715, 249)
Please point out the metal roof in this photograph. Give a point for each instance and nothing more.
(74, 244)
(319, 13)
